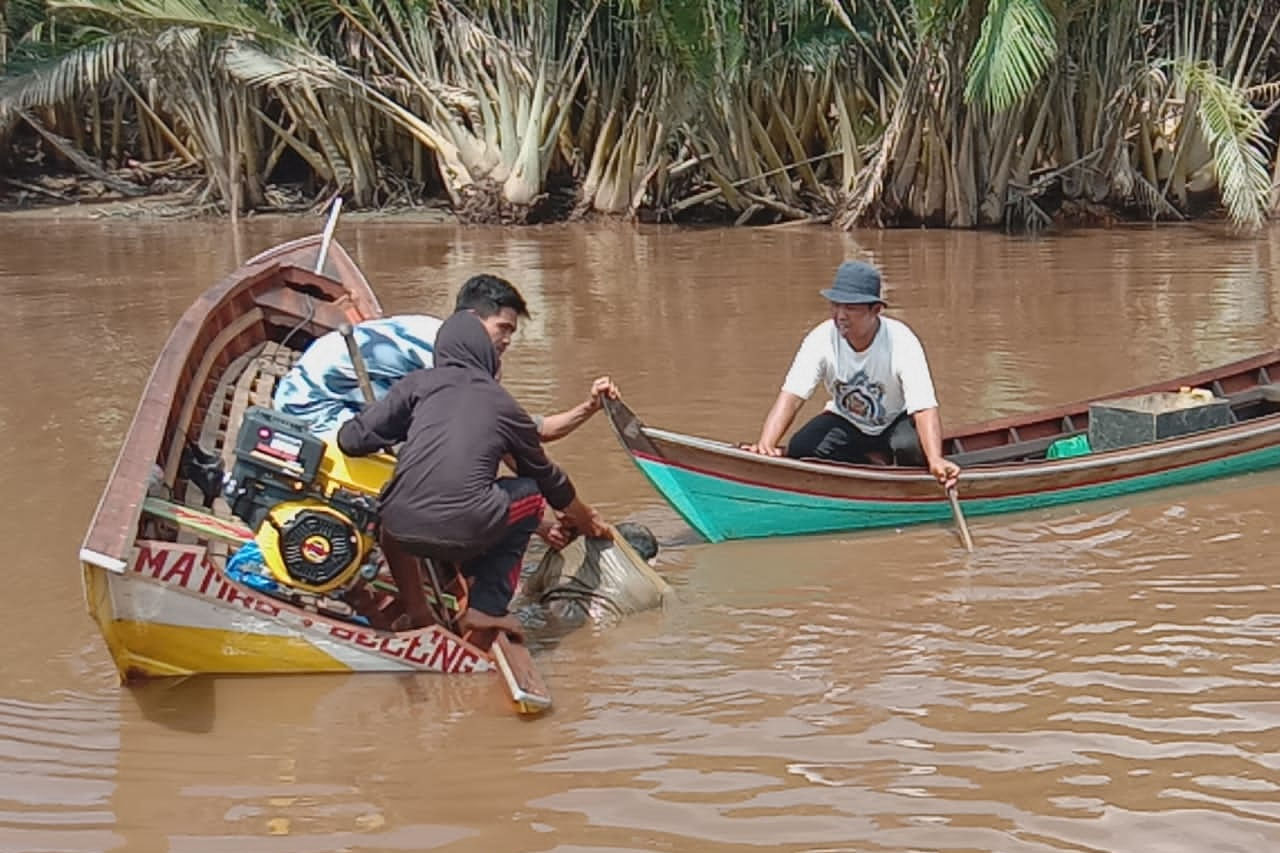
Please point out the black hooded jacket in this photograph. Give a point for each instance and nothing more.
(456, 423)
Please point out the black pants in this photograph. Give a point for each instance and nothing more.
(829, 436)
(492, 574)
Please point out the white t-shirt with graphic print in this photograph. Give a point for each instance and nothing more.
(870, 389)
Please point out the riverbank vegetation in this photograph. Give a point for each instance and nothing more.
(954, 113)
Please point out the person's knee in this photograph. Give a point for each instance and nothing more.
(905, 444)
(809, 443)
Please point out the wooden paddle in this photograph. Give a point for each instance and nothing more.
(955, 510)
(528, 691)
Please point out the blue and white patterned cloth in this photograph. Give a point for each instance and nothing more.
(322, 388)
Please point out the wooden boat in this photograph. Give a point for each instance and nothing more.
(725, 492)
(154, 558)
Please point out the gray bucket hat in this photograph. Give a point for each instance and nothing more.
(856, 283)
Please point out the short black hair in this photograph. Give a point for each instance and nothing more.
(487, 294)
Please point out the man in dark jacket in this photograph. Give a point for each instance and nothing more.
(455, 423)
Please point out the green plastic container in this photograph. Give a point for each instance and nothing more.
(1065, 448)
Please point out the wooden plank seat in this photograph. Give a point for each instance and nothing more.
(289, 307)
(1269, 393)
(1029, 448)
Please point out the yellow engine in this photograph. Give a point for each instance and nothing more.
(313, 509)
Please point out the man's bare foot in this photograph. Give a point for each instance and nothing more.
(475, 620)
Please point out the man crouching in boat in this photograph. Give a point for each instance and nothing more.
(882, 407)
(455, 423)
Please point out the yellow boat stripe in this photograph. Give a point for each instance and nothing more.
(153, 649)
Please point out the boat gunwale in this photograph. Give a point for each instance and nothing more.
(988, 472)
(107, 542)
(1080, 407)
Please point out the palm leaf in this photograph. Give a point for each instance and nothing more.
(1269, 91)
(1017, 44)
(1149, 199)
(212, 16)
(82, 69)
(253, 66)
(1236, 136)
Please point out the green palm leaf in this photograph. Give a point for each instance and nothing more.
(1017, 44)
(211, 16)
(1236, 136)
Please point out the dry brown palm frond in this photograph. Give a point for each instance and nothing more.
(456, 98)
(1149, 199)
(83, 69)
(1021, 207)
(484, 47)
(251, 65)
(1266, 92)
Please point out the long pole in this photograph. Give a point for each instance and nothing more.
(328, 234)
(357, 362)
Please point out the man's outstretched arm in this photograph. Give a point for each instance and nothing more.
(561, 424)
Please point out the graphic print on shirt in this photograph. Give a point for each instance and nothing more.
(322, 387)
(861, 398)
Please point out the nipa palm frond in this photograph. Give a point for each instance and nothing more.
(1266, 92)
(1017, 44)
(251, 65)
(1149, 199)
(210, 16)
(1236, 136)
(81, 70)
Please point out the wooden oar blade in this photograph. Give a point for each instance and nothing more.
(523, 682)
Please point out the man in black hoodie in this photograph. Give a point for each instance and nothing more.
(455, 423)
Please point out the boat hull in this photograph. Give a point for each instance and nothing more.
(171, 612)
(720, 509)
(154, 581)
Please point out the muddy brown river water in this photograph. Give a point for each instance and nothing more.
(1103, 677)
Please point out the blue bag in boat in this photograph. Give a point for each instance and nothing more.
(246, 566)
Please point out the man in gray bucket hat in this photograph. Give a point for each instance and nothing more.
(882, 408)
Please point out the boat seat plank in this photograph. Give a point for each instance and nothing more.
(1269, 392)
(205, 526)
(1032, 447)
(288, 306)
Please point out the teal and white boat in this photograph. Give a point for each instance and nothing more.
(1231, 426)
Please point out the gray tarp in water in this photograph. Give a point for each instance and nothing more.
(591, 580)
